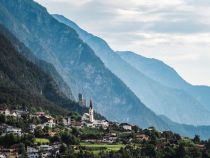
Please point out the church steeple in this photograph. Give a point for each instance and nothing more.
(91, 104)
(91, 117)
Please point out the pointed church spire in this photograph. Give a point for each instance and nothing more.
(91, 104)
(91, 119)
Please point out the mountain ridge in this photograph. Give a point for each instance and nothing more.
(169, 101)
(167, 76)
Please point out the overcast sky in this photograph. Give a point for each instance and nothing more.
(175, 31)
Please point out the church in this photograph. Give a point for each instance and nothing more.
(89, 121)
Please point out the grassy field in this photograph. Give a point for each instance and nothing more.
(97, 148)
(41, 141)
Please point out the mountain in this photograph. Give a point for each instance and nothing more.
(46, 67)
(177, 104)
(164, 74)
(23, 83)
(121, 105)
(188, 130)
(75, 61)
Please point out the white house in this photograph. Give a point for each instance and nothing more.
(101, 123)
(67, 121)
(32, 127)
(2, 156)
(45, 150)
(13, 113)
(32, 152)
(50, 123)
(126, 126)
(13, 130)
(5, 111)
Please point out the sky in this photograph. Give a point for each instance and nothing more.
(174, 31)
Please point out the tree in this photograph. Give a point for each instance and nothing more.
(208, 144)
(39, 132)
(9, 139)
(75, 132)
(196, 139)
(2, 118)
(149, 150)
(22, 151)
(195, 152)
(69, 139)
(55, 138)
(63, 148)
(181, 152)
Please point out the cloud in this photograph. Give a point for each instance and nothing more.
(176, 31)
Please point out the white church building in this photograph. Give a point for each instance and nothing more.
(89, 121)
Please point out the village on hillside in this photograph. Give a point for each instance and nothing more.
(40, 134)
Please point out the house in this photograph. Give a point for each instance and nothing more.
(87, 123)
(67, 121)
(101, 123)
(142, 137)
(151, 129)
(50, 123)
(45, 150)
(46, 120)
(113, 134)
(41, 126)
(20, 113)
(76, 124)
(5, 111)
(51, 133)
(32, 152)
(3, 127)
(9, 152)
(114, 124)
(161, 145)
(45, 154)
(13, 113)
(200, 146)
(109, 139)
(91, 140)
(40, 114)
(13, 130)
(32, 127)
(2, 156)
(85, 117)
(56, 148)
(126, 126)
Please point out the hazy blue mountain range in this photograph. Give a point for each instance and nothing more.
(187, 130)
(22, 82)
(164, 74)
(177, 104)
(75, 61)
